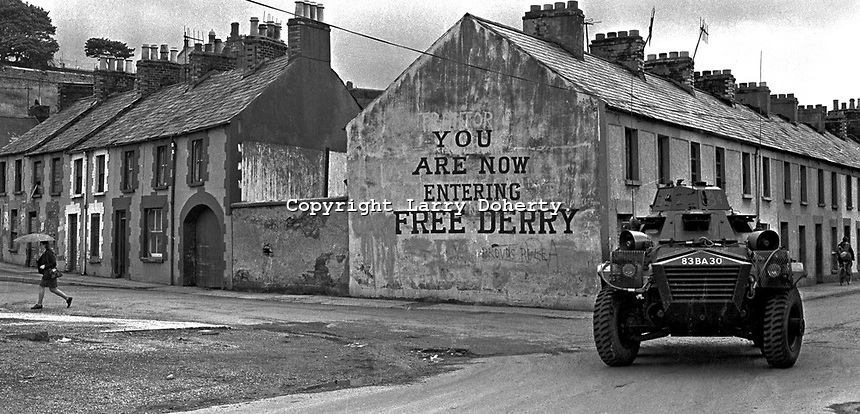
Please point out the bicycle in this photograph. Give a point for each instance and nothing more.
(844, 272)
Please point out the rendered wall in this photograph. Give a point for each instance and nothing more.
(444, 132)
(277, 250)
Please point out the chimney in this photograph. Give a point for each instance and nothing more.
(212, 36)
(209, 57)
(626, 48)
(263, 30)
(155, 73)
(836, 104)
(254, 23)
(144, 52)
(784, 105)
(674, 66)
(276, 31)
(813, 116)
(720, 83)
(234, 30)
(308, 37)
(756, 96)
(559, 24)
(107, 81)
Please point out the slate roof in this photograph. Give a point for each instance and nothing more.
(663, 100)
(95, 119)
(182, 109)
(49, 128)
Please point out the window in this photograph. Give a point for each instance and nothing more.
(804, 192)
(56, 175)
(849, 196)
(154, 232)
(197, 162)
(695, 162)
(19, 172)
(79, 176)
(720, 166)
(784, 234)
(100, 173)
(786, 180)
(38, 178)
(128, 170)
(13, 228)
(663, 173)
(95, 233)
(765, 177)
(631, 154)
(2, 177)
(801, 242)
(834, 190)
(821, 202)
(747, 173)
(160, 166)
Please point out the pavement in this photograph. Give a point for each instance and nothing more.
(20, 274)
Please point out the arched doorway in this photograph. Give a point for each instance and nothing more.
(203, 248)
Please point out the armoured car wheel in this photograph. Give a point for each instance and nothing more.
(613, 343)
(783, 329)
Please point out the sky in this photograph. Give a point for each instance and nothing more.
(803, 47)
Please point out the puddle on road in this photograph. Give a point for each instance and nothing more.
(113, 324)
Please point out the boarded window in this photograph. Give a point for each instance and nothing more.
(720, 166)
(38, 177)
(663, 172)
(56, 175)
(747, 173)
(631, 154)
(695, 162)
(79, 176)
(765, 177)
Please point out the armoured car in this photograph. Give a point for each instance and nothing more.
(695, 267)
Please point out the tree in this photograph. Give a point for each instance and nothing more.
(25, 35)
(98, 46)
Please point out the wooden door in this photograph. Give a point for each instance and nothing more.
(207, 238)
(72, 259)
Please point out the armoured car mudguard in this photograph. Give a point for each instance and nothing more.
(694, 267)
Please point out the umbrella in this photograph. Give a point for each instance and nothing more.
(33, 237)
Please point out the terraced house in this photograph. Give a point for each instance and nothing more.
(530, 115)
(139, 181)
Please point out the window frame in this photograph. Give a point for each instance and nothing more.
(37, 179)
(746, 172)
(821, 190)
(56, 176)
(631, 156)
(695, 162)
(765, 179)
(834, 190)
(664, 175)
(154, 235)
(804, 189)
(14, 224)
(100, 174)
(77, 177)
(786, 182)
(19, 176)
(95, 235)
(720, 167)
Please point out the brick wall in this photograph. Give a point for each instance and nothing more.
(153, 74)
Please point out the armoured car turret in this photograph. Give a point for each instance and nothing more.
(695, 267)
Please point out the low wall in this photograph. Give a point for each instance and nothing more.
(278, 250)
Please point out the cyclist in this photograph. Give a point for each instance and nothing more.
(845, 256)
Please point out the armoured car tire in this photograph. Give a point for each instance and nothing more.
(609, 313)
(783, 329)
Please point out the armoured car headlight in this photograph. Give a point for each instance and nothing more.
(773, 270)
(629, 270)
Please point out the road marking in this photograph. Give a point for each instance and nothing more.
(117, 324)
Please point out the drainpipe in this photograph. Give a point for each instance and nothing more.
(172, 206)
(85, 217)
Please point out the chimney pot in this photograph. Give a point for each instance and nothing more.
(153, 52)
(634, 33)
(128, 66)
(652, 57)
(706, 73)
(780, 96)
(307, 12)
(751, 84)
(716, 72)
(212, 36)
(663, 55)
(547, 6)
(300, 9)
(622, 33)
(599, 36)
(144, 52)
(535, 7)
(685, 54)
(254, 23)
(110, 66)
(121, 68)
(790, 96)
(198, 47)
(234, 30)
(844, 106)
(559, 5)
(611, 35)
(836, 104)
(852, 103)
(673, 54)
(313, 14)
(164, 53)
(320, 13)
(262, 30)
(727, 71)
(219, 46)
(207, 47)
(762, 84)
(573, 5)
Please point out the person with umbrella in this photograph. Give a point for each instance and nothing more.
(47, 264)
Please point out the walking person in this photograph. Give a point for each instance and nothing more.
(46, 264)
(845, 256)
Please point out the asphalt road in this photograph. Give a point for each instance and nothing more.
(532, 360)
(672, 375)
